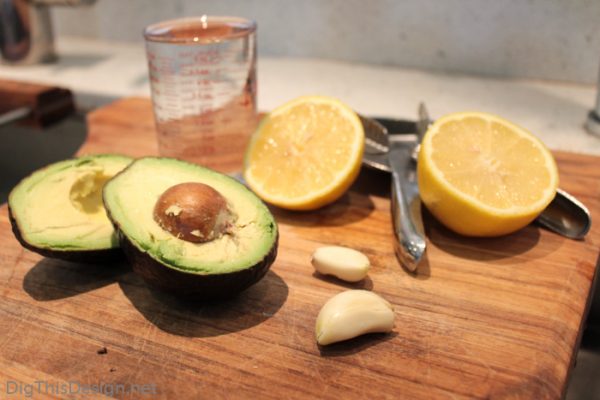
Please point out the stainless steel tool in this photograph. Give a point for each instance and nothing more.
(396, 157)
(565, 215)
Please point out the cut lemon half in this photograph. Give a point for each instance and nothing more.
(305, 154)
(481, 175)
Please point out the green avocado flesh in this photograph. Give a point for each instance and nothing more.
(60, 207)
(130, 199)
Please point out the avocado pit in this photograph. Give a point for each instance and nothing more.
(194, 212)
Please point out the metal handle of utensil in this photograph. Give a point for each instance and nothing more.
(14, 115)
(409, 243)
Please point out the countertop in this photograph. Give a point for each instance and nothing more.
(100, 72)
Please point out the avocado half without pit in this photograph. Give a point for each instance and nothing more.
(190, 230)
(57, 211)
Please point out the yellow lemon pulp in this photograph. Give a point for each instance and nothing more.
(481, 175)
(305, 154)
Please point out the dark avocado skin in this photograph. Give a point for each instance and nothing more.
(185, 284)
(190, 285)
(80, 256)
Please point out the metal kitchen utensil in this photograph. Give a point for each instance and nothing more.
(409, 243)
(14, 115)
(565, 215)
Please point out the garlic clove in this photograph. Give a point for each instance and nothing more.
(342, 262)
(353, 313)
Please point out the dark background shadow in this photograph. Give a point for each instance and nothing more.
(204, 319)
(356, 345)
(423, 270)
(350, 208)
(365, 284)
(481, 249)
(40, 147)
(372, 182)
(52, 279)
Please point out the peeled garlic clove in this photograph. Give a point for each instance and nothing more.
(351, 314)
(342, 262)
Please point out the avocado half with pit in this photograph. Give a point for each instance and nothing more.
(190, 230)
(57, 211)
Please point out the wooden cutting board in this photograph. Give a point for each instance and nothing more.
(483, 318)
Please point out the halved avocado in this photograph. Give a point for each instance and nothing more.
(190, 230)
(57, 211)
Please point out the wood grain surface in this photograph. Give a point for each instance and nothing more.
(482, 318)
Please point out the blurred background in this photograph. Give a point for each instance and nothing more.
(544, 39)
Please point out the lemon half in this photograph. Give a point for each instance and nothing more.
(481, 175)
(305, 154)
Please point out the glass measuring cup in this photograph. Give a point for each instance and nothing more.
(203, 83)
